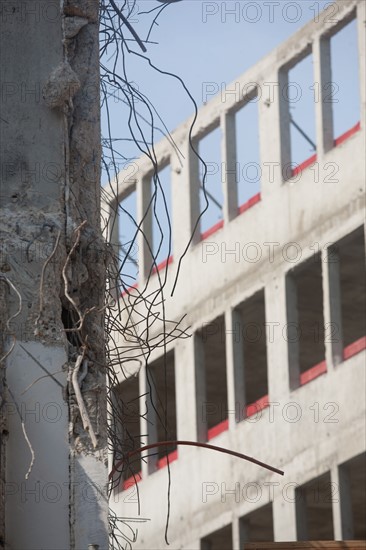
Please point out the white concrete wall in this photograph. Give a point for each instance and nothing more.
(37, 507)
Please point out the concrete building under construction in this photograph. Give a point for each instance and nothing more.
(272, 290)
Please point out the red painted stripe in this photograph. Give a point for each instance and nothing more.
(313, 372)
(354, 348)
(347, 134)
(131, 481)
(308, 162)
(251, 202)
(257, 406)
(162, 264)
(212, 230)
(128, 290)
(218, 429)
(162, 462)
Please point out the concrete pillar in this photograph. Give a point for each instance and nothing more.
(144, 237)
(292, 332)
(152, 419)
(186, 392)
(332, 308)
(181, 199)
(277, 353)
(144, 425)
(284, 123)
(235, 367)
(228, 171)
(200, 383)
(284, 514)
(270, 142)
(38, 497)
(192, 177)
(341, 503)
(323, 108)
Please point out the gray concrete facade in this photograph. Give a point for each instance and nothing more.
(311, 427)
(53, 479)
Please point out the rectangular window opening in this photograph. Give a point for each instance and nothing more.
(254, 349)
(248, 162)
(257, 526)
(218, 540)
(209, 148)
(299, 95)
(128, 251)
(344, 90)
(211, 379)
(352, 476)
(162, 414)
(314, 515)
(126, 406)
(161, 214)
(305, 322)
(350, 252)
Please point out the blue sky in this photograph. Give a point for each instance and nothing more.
(208, 43)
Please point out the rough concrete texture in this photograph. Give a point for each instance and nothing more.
(50, 155)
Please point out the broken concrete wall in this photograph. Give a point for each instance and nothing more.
(52, 276)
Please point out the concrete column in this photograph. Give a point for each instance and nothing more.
(270, 141)
(332, 308)
(182, 217)
(38, 496)
(277, 353)
(323, 108)
(200, 383)
(152, 418)
(284, 514)
(235, 367)
(189, 185)
(144, 424)
(284, 124)
(228, 171)
(292, 332)
(186, 392)
(144, 237)
(341, 503)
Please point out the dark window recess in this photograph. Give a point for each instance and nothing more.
(253, 335)
(257, 526)
(211, 374)
(162, 413)
(353, 497)
(305, 319)
(351, 251)
(221, 539)
(126, 399)
(314, 516)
